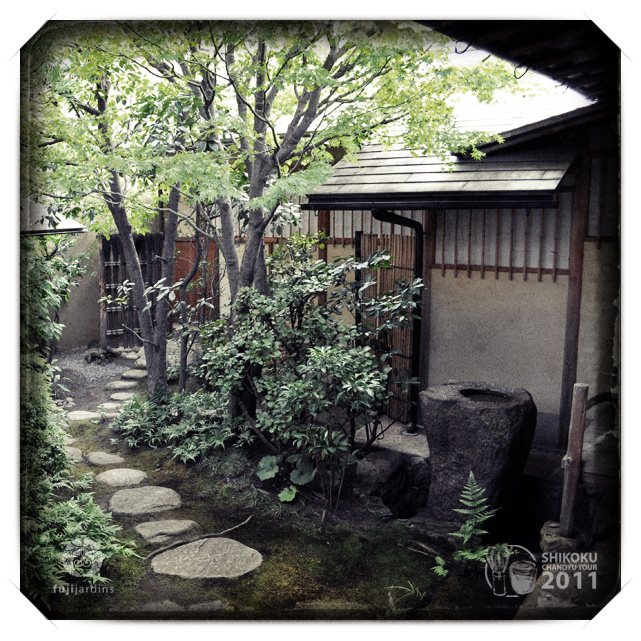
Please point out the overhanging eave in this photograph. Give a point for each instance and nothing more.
(367, 202)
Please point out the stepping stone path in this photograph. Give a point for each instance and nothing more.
(121, 477)
(144, 500)
(162, 531)
(213, 558)
(104, 458)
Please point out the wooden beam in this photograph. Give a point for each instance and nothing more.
(578, 233)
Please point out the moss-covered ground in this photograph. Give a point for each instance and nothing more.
(317, 564)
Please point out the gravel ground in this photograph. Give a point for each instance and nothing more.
(75, 367)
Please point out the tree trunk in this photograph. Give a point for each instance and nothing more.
(156, 350)
(184, 336)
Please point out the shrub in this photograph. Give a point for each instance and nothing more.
(313, 373)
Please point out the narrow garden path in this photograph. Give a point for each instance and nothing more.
(136, 496)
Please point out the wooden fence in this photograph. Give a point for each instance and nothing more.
(118, 314)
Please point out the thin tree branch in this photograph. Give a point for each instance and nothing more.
(204, 536)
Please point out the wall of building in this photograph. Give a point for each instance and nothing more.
(81, 314)
(508, 332)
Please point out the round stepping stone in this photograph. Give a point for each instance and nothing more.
(144, 500)
(83, 415)
(161, 606)
(130, 356)
(121, 477)
(74, 454)
(134, 374)
(121, 385)
(208, 559)
(109, 407)
(210, 606)
(122, 396)
(104, 458)
(162, 531)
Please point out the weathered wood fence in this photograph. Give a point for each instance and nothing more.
(118, 314)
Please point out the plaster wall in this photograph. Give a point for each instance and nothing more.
(597, 361)
(508, 332)
(81, 313)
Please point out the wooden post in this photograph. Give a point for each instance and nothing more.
(104, 319)
(324, 225)
(572, 460)
(429, 257)
(578, 232)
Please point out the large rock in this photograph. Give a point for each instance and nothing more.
(479, 427)
(208, 559)
(375, 471)
(144, 500)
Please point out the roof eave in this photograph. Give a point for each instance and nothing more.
(479, 200)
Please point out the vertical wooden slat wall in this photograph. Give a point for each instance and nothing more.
(119, 319)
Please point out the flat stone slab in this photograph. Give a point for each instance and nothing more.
(210, 606)
(121, 385)
(131, 356)
(121, 477)
(208, 559)
(144, 500)
(74, 454)
(134, 374)
(161, 606)
(162, 531)
(109, 407)
(141, 363)
(104, 458)
(122, 396)
(83, 415)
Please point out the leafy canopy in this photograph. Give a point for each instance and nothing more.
(251, 111)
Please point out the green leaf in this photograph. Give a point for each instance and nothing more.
(304, 472)
(267, 468)
(288, 494)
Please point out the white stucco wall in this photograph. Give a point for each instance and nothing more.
(508, 332)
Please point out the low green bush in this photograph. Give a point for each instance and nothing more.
(192, 426)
